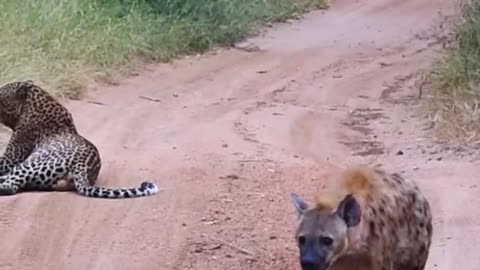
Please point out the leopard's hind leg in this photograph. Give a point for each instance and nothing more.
(36, 173)
(11, 183)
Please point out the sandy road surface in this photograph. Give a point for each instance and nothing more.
(228, 135)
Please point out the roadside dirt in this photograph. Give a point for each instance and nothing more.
(229, 134)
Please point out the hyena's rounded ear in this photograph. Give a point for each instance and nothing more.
(349, 210)
(299, 204)
(22, 89)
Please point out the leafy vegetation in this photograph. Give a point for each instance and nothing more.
(455, 82)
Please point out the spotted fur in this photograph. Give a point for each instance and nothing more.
(371, 220)
(45, 151)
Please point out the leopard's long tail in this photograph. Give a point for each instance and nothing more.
(84, 188)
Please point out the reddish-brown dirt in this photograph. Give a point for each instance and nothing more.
(229, 134)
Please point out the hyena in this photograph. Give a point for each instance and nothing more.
(374, 220)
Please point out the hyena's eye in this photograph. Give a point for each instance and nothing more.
(325, 240)
(302, 240)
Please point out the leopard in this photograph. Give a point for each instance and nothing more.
(45, 151)
(368, 219)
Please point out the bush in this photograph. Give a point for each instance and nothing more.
(63, 42)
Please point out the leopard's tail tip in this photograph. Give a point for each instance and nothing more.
(149, 187)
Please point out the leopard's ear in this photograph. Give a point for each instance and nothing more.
(23, 88)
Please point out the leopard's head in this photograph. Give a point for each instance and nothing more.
(13, 96)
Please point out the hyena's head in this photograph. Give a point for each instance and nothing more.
(322, 232)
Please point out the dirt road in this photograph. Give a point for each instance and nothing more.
(229, 134)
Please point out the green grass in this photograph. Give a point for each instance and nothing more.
(64, 44)
(455, 83)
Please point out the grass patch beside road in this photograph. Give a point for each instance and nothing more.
(63, 43)
(455, 83)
